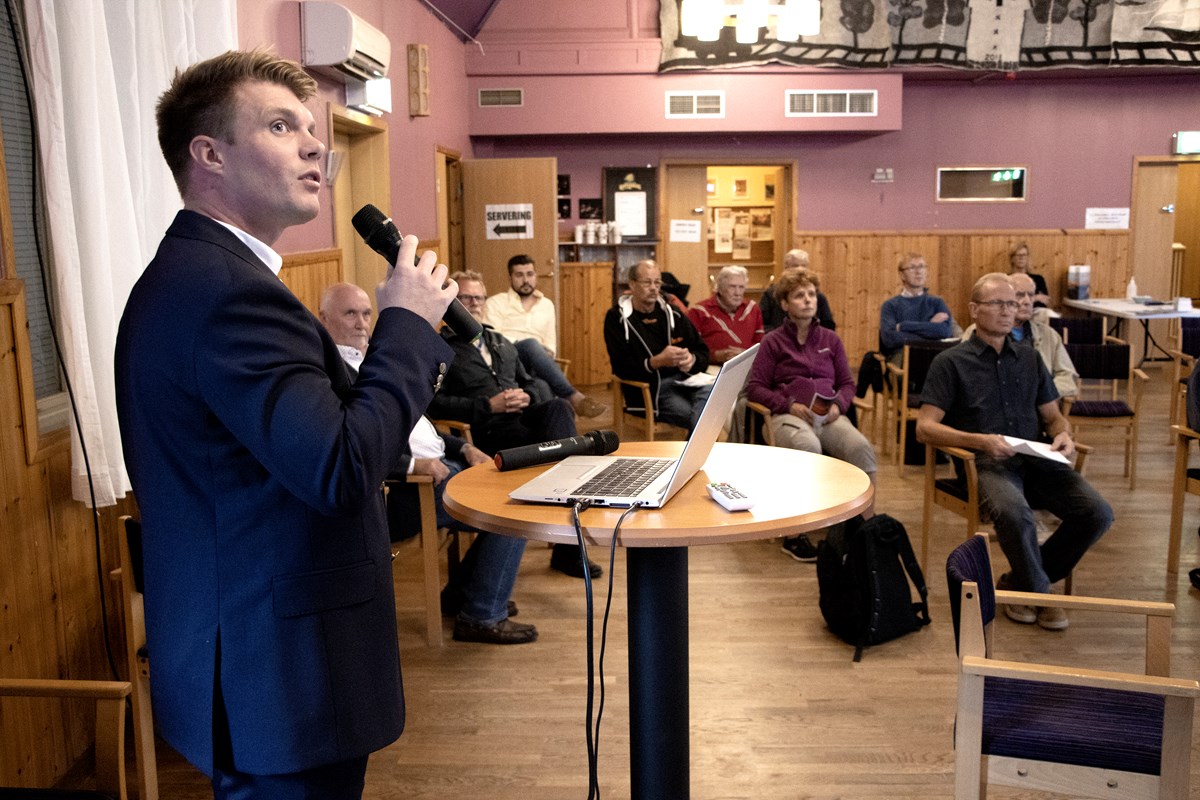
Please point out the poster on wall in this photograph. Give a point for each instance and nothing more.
(762, 224)
(629, 199)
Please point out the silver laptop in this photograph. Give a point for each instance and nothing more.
(621, 480)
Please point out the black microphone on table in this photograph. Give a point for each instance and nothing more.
(593, 443)
(381, 235)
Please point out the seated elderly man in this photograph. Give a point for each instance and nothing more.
(988, 388)
(727, 322)
(649, 340)
(773, 315)
(488, 387)
(1039, 335)
(479, 596)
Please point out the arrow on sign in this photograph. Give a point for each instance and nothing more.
(500, 230)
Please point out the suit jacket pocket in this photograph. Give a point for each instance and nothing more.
(323, 590)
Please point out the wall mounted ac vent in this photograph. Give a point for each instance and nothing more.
(831, 104)
(491, 98)
(695, 105)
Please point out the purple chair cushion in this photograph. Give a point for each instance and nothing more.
(1073, 725)
(1101, 408)
(970, 562)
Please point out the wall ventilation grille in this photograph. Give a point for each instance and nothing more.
(491, 98)
(695, 105)
(831, 104)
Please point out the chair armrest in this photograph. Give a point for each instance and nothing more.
(1182, 357)
(1184, 432)
(955, 452)
(1081, 453)
(41, 687)
(418, 478)
(1080, 676)
(1145, 608)
(760, 408)
(454, 427)
(1141, 376)
(647, 401)
(1114, 340)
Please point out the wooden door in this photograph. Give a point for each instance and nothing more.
(685, 198)
(510, 207)
(1152, 225)
(363, 178)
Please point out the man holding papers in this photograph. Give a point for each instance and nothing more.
(984, 390)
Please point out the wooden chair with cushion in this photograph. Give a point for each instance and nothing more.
(958, 492)
(1063, 729)
(137, 655)
(109, 699)
(1101, 403)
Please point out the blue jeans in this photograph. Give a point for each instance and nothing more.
(1008, 491)
(541, 364)
(489, 569)
(680, 405)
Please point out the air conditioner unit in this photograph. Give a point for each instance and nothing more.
(337, 43)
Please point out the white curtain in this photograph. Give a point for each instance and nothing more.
(98, 67)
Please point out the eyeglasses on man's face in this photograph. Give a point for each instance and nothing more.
(649, 283)
(472, 298)
(915, 267)
(1011, 305)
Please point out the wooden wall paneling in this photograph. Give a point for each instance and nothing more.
(586, 297)
(858, 268)
(307, 275)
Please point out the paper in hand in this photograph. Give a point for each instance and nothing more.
(1039, 449)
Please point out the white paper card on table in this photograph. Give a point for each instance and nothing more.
(1039, 449)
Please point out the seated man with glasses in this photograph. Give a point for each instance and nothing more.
(488, 386)
(648, 340)
(913, 315)
(987, 388)
(1040, 336)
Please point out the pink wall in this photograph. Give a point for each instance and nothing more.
(1078, 137)
(413, 142)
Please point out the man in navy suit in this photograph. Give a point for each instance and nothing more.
(256, 463)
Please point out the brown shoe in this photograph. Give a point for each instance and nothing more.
(1052, 618)
(503, 632)
(587, 407)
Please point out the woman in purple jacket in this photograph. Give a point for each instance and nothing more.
(801, 374)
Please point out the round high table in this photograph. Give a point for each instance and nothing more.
(793, 492)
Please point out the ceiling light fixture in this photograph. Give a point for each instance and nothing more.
(704, 19)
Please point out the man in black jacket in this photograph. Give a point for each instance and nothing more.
(649, 340)
(488, 387)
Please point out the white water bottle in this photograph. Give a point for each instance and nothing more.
(1131, 289)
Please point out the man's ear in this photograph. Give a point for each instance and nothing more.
(206, 152)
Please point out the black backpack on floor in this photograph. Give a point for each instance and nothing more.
(863, 571)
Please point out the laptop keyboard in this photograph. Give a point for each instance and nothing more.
(625, 477)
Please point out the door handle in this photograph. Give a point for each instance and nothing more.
(1169, 208)
(698, 210)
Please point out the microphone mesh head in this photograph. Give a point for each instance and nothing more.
(367, 219)
(606, 441)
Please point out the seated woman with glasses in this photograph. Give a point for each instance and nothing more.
(802, 376)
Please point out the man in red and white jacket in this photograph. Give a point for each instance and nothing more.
(728, 322)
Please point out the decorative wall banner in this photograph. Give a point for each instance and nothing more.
(969, 34)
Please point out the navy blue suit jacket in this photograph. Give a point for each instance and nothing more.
(257, 468)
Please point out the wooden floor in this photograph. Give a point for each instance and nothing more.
(778, 709)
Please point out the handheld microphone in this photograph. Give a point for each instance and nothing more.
(381, 235)
(593, 443)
